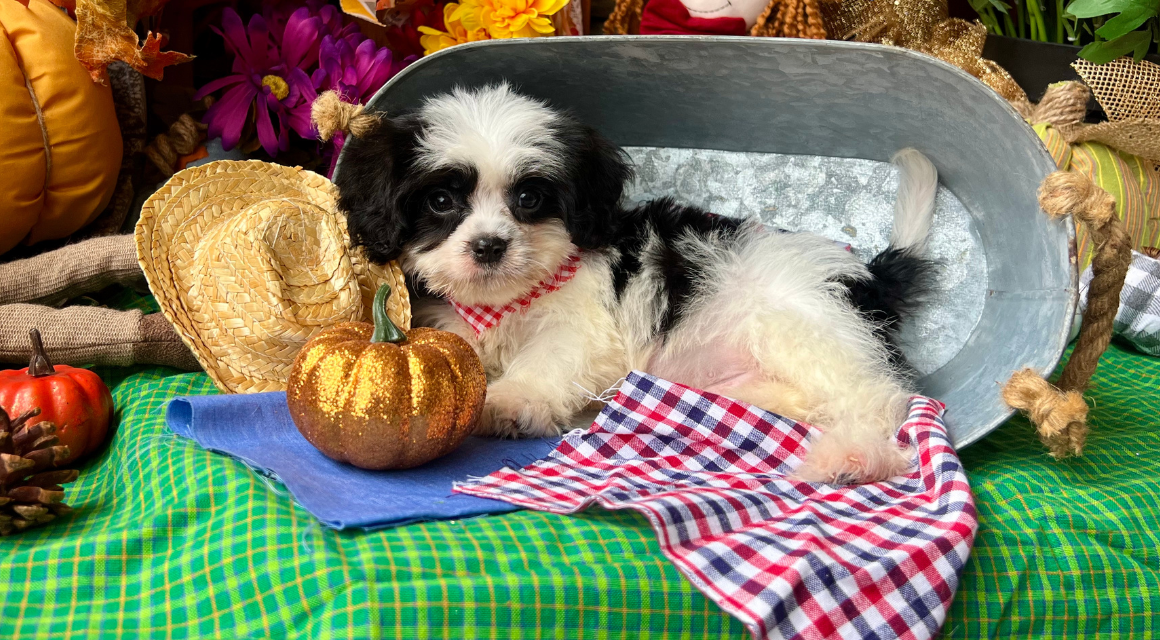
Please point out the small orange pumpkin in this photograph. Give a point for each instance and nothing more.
(379, 398)
(76, 400)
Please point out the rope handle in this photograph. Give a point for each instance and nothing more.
(1059, 411)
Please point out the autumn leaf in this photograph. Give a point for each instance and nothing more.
(155, 60)
(104, 36)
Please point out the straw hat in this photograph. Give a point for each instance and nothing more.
(249, 260)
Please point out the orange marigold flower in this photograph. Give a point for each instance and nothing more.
(509, 18)
(434, 40)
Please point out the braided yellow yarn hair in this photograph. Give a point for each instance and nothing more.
(781, 18)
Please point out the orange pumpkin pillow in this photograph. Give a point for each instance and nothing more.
(60, 145)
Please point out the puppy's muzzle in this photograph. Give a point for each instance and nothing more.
(488, 250)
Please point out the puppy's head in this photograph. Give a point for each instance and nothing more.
(481, 194)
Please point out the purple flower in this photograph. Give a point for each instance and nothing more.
(334, 22)
(356, 68)
(269, 76)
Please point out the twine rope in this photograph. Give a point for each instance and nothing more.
(331, 115)
(1059, 412)
(182, 138)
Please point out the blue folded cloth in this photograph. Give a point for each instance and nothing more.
(257, 429)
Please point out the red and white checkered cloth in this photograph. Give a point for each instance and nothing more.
(482, 317)
(790, 559)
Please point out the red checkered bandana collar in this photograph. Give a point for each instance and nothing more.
(483, 317)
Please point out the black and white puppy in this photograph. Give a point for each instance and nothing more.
(483, 194)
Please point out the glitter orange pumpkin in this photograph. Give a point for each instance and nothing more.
(380, 398)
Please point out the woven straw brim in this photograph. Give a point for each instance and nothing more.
(249, 260)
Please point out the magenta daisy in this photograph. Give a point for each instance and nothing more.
(269, 79)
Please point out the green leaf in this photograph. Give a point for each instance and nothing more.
(1094, 8)
(1126, 22)
(981, 5)
(1105, 51)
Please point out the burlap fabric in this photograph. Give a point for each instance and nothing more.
(82, 335)
(55, 277)
(92, 335)
(1129, 93)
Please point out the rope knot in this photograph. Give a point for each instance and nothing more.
(331, 115)
(1060, 416)
(1066, 193)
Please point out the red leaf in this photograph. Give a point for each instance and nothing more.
(153, 60)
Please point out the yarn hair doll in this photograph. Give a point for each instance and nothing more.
(770, 18)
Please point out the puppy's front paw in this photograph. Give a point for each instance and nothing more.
(509, 415)
(837, 460)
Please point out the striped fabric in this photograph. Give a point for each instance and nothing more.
(1133, 182)
(172, 541)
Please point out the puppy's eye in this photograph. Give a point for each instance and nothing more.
(529, 199)
(440, 201)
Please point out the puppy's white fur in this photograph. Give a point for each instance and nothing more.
(767, 324)
(498, 132)
(914, 206)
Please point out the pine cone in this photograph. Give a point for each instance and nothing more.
(30, 491)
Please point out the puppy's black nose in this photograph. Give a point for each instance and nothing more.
(488, 250)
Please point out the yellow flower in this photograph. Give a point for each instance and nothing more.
(434, 40)
(509, 18)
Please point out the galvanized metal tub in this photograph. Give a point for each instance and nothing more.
(797, 132)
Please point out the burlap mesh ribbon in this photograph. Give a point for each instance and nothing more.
(1129, 93)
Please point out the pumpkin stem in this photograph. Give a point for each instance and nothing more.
(39, 366)
(385, 330)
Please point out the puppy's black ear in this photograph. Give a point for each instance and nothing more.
(602, 170)
(370, 188)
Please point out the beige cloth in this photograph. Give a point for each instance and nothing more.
(92, 335)
(54, 277)
(82, 335)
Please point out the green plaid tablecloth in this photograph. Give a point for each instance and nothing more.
(171, 541)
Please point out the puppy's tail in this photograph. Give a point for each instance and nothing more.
(901, 277)
(914, 208)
